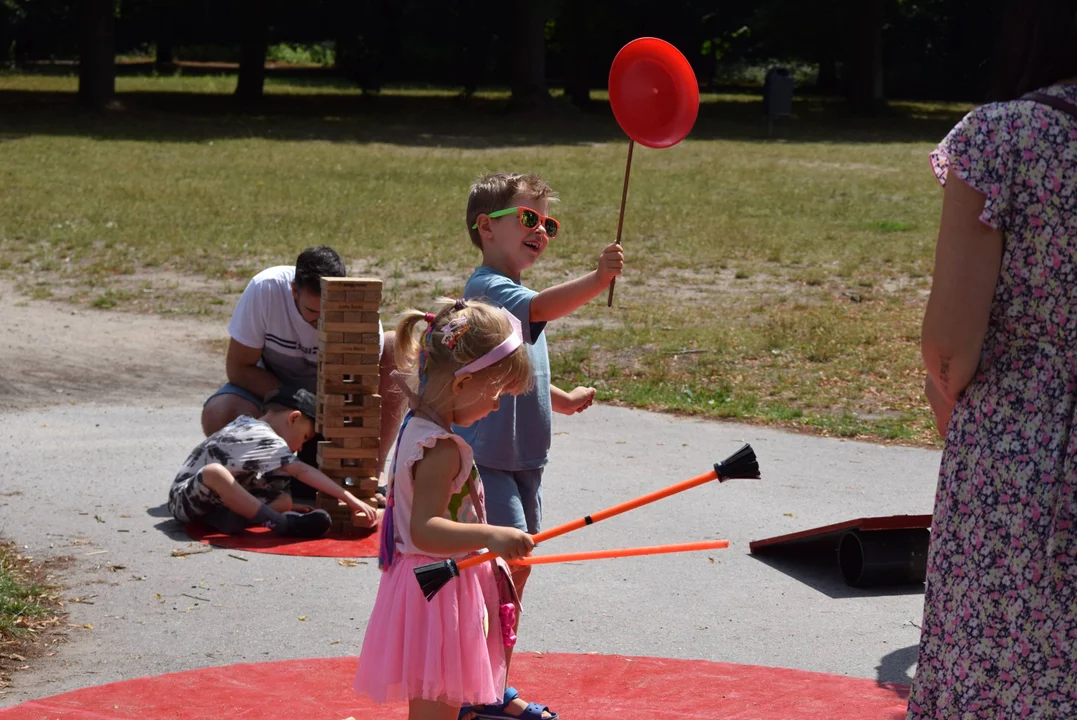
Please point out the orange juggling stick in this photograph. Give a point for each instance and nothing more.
(621, 552)
(741, 464)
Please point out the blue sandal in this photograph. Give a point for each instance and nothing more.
(490, 712)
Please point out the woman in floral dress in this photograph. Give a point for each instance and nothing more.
(999, 343)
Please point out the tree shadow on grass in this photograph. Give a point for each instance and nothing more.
(425, 120)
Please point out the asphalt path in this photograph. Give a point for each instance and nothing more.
(91, 483)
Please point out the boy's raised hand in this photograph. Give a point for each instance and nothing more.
(611, 262)
(570, 403)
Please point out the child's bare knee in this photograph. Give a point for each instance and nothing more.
(216, 477)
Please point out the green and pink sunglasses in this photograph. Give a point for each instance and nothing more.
(529, 219)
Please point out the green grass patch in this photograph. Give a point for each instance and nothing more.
(763, 252)
(24, 604)
(889, 226)
(111, 298)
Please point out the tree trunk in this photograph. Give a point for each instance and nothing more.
(864, 71)
(254, 38)
(828, 82)
(97, 54)
(529, 55)
(472, 46)
(575, 43)
(164, 57)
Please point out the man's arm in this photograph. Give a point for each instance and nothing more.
(560, 300)
(241, 367)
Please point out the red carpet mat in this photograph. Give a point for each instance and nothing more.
(260, 540)
(579, 687)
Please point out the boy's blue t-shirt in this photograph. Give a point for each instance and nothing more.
(517, 435)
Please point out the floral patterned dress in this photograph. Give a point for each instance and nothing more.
(1000, 611)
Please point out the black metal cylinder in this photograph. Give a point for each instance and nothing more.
(884, 557)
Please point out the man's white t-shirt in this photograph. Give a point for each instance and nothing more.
(266, 317)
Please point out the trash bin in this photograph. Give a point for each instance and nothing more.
(777, 95)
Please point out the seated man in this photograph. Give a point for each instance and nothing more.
(274, 342)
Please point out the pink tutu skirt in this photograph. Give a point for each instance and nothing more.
(449, 649)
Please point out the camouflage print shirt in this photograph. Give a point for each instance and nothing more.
(249, 449)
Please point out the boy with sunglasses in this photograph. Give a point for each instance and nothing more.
(508, 220)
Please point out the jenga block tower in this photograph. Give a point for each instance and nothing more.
(349, 407)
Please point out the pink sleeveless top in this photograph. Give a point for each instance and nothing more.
(466, 500)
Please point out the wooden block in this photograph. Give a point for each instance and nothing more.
(336, 304)
(355, 379)
(349, 327)
(332, 425)
(349, 404)
(367, 336)
(337, 286)
(329, 451)
(348, 476)
(355, 316)
(365, 465)
(332, 357)
(345, 417)
(358, 484)
(352, 383)
(367, 486)
(335, 425)
(338, 282)
(344, 526)
(349, 347)
(338, 412)
(364, 338)
(361, 359)
(333, 506)
(341, 411)
(357, 383)
(368, 400)
(350, 432)
(353, 443)
(328, 502)
(329, 370)
(369, 418)
(332, 429)
(332, 316)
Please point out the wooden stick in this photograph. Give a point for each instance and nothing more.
(621, 217)
(621, 552)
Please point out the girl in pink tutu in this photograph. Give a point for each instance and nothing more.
(450, 651)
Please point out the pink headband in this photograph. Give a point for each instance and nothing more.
(502, 351)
